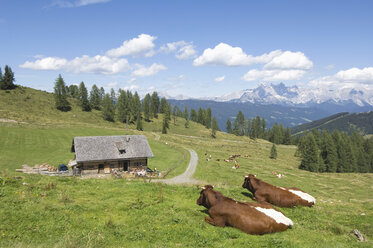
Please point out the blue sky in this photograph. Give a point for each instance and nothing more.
(193, 48)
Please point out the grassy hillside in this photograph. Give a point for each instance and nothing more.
(41, 211)
(344, 122)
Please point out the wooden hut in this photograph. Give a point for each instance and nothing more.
(101, 154)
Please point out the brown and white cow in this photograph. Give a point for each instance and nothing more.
(250, 218)
(279, 196)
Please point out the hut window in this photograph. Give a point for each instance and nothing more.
(123, 151)
(111, 166)
(138, 163)
(90, 167)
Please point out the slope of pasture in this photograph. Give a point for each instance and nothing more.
(30, 144)
(39, 211)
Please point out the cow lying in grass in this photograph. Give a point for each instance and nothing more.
(250, 218)
(279, 196)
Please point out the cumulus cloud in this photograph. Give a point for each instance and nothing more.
(273, 75)
(356, 75)
(49, 63)
(143, 71)
(85, 64)
(141, 46)
(289, 61)
(220, 79)
(184, 50)
(131, 87)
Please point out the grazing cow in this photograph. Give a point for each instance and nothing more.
(250, 218)
(279, 196)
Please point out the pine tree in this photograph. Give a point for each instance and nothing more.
(95, 97)
(135, 106)
(7, 82)
(310, 154)
(208, 118)
(113, 96)
(139, 122)
(214, 127)
(122, 107)
(193, 115)
(287, 136)
(83, 97)
(102, 94)
(163, 105)
(186, 113)
(74, 91)
(1, 79)
(273, 154)
(229, 126)
(201, 116)
(329, 152)
(108, 110)
(168, 113)
(239, 124)
(154, 104)
(174, 114)
(146, 107)
(60, 95)
(165, 125)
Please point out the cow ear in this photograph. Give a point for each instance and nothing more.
(254, 175)
(203, 187)
(212, 186)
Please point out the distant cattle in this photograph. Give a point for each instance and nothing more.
(252, 218)
(279, 196)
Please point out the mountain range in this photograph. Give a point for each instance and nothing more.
(289, 105)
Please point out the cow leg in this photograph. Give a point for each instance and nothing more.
(260, 199)
(215, 222)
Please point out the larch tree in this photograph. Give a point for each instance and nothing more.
(95, 97)
(122, 107)
(214, 127)
(108, 110)
(7, 82)
(83, 98)
(228, 126)
(146, 107)
(273, 154)
(60, 95)
(154, 104)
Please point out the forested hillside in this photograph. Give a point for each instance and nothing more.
(344, 122)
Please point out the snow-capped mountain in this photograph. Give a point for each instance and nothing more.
(294, 95)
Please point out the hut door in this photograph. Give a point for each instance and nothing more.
(125, 165)
(100, 168)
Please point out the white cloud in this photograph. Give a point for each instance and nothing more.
(49, 63)
(178, 78)
(289, 61)
(223, 54)
(131, 87)
(330, 67)
(76, 3)
(273, 75)
(112, 84)
(220, 79)
(184, 50)
(356, 75)
(143, 71)
(85, 64)
(141, 46)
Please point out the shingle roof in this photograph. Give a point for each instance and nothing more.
(98, 148)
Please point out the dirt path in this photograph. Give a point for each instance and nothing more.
(187, 176)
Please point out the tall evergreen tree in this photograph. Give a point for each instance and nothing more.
(329, 152)
(146, 107)
(74, 91)
(186, 113)
(122, 107)
(83, 97)
(287, 136)
(214, 127)
(174, 113)
(95, 97)
(113, 96)
(193, 115)
(273, 154)
(163, 105)
(60, 95)
(208, 118)
(7, 82)
(201, 116)
(1, 78)
(135, 106)
(139, 122)
(108, 110)
(154, 104)
(102, 94)
(310, 154)
(239, 124)
(229, 126)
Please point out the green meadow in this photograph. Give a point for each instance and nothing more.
(43, 211)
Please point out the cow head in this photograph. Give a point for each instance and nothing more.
(249, 183)
(208, 196)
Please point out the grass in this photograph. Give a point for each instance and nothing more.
(38, 211)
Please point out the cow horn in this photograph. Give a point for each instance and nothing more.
(246, 176)
(203, 187)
